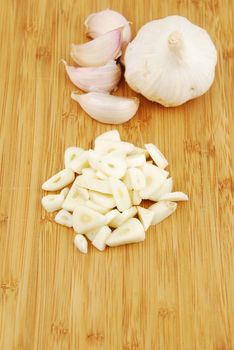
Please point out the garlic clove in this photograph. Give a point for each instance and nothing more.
(92, 205)
(93, 184)
(111, 215)
(154, 178)
(59, 180)
(145, 217)
(81, 243)
(98, 51)
(107, 147)
(99, 241)
(106, 108)
(165, 188)
(131, 231)
(103, 200)
(123, 217)
(86, 219)
(100, 79)
(156, 155)
(104, 21)
(71, 153)
(162, 210)
(112, 135)
(120, 194)
(52, 202)
(135, 160)
(174, 197)
(64, 218)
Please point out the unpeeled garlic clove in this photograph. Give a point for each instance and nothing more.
(99, 79)
(106, 108)
(104, 21)
(99, 51)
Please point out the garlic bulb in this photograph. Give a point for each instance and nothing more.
(101, 79)
(106, 108)
(104, 21)
(170, 61)
(99, 51)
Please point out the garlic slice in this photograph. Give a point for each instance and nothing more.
(89, 172)
(99, 241)
(112, 135)
(139, 150)
(99, 79)
(80, 162)
(111, 215)
(59, 180)
(113, 166)
(81, 243)
(145, 217)
(120, 194)
(90, 235)
(174, 196)
(99, 51)
(75, 197)
(135, 160)
(123, 217)
(104, 147)
(165, 188)
(86, 219)
(94, 159)
(92, 205)
(136, 198)
(103, 200)
(131, 231)
(64, 218)
(93, 184)
(106, 108)
(156, 155)
(162, 210)
(135, 179)
(52, 202)
(154, 179)
(102, 22)
(64, 192)
(100, 175)
(71, 153)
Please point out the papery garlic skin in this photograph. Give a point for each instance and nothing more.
(170, 61)
(106, 108)
(99, 51)
(100, 79)
(102, 22)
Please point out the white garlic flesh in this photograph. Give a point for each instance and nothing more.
(171, 61)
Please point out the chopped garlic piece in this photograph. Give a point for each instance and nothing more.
(174, 197)
(52, 202)
(156, 155)
(81, 243)
(120, 194)
(96, 207)
(162, 210)
(135, 160)
(112, 135)
(64, 218)
(86, 219)
(166, 187)
(130, 232)
(71, 153)
(99, 241)
(59, 180)
(111, 215)
(154, 177)
(145, 217)
(102, 186)
(123, 217)
(108, 147)
(102, 199)
(135, 179)
(80, 162)
(113, 166)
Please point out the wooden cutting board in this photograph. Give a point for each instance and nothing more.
(175, 290)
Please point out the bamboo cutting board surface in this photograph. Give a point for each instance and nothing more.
(176, 289)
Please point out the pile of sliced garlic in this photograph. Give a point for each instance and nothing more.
(109, 183)
(98, 73)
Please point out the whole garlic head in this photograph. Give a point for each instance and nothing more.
(170, 61)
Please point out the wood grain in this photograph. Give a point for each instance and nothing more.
(175, 290)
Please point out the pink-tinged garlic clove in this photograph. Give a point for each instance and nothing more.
(99, 79)
(99, 51)
(102, 22)
(106, 108)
